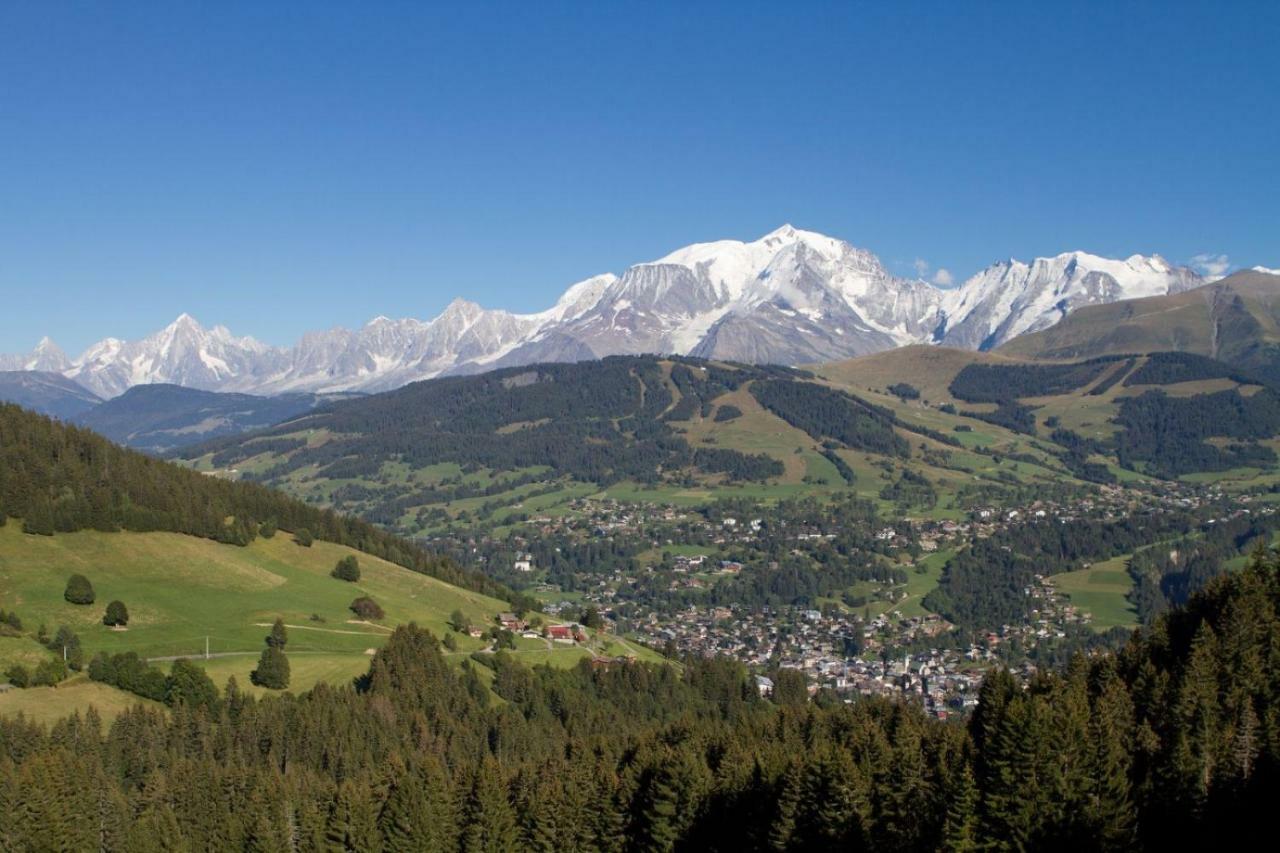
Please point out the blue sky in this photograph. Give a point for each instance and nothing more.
(278, 167)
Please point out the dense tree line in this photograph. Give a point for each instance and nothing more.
(1170, 743)
(1109, 381)
(1168, 575)
(1169, 368)
(998, 383)
(1009, 414)
(825, 413)
(599, 422)
(985, 584)
(910, 490)
(1168, 434)
(59, 478)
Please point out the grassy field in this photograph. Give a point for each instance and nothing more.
(180, 590)
(50, 704)
(1101, 590)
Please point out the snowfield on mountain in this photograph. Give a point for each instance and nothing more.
(790, 297)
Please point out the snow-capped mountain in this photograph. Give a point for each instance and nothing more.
(1012, 298)
(183, 353)
(790, 297)
(47, 357)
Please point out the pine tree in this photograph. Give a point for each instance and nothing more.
(1195, 750)
(157, 831)
(783, 825)
(490, 820)
(960, 828)
(272, 671)
(1109, 810)
(418, 815)
(353, 821)
(278, 637)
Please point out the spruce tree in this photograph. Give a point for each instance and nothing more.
(278, 636)
(272, 671)
(353, 821)
(490, 820)
(960, 828)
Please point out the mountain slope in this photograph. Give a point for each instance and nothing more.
(1012, 298)
(180, 590)
(1235, 320)
(163, 417)
(59, 478)
(46, 392)
(466, 452)
(1165, 414)
(789, 297)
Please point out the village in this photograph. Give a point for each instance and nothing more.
(659, 586)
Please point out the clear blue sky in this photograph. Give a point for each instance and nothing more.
(279, 167)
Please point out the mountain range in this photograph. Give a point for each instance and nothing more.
(790, 297)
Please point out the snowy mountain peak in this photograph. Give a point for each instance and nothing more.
(791, 296)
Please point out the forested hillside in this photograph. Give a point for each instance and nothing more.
(414, 458)
(158, 418)
(59, 478)
(1170, 744)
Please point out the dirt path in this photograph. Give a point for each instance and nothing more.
(329, 630)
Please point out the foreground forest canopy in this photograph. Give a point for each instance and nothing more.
(1175, 741)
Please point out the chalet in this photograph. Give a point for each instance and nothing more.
(764, 686)
(511, 622)
(561, 633)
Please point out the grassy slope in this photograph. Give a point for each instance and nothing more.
(47, 705)
(1101, 590)
(180, 589)
(1182, 321)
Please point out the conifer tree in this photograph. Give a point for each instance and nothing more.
(490, 820)
(278, 637)
(353, 821)
(272, 670)
(960, 828)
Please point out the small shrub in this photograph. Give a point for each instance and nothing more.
(18, 675)
(366, 608)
